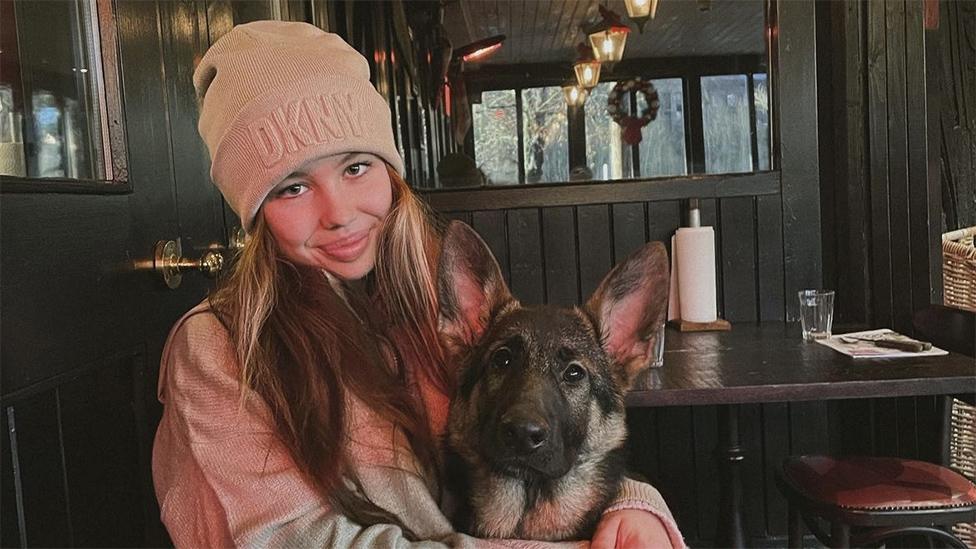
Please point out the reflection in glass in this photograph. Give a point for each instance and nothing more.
(495, 123)
(662, 146)
(49, 90)
(607, 156)
(760, 89)
(725, 117)
(545, 134)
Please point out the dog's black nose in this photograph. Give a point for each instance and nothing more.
(525, 436)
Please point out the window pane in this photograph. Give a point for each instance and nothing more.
(607, 156)
(496, 136)
(725, 116)
(662, 146)
(545, 134)
(50, 110)
(760, 89)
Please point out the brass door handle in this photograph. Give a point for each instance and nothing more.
(168, 261)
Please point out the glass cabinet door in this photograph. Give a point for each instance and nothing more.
(60, 115)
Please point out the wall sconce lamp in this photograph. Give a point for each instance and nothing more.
(639, 11)
(480, 50)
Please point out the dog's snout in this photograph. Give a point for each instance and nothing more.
(525, 435)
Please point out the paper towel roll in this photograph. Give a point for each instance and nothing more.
(696, 273)
(12, 159)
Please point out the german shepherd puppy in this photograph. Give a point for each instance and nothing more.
(537, 424)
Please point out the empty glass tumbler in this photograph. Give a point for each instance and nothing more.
(657, 358)
(816, 313)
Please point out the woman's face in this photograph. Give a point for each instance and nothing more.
(329, 213)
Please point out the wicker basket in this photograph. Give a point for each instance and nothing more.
(962, 456)
(959, 268)
(959, 278)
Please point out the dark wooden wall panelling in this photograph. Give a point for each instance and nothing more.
(880, 195)
(951, 67)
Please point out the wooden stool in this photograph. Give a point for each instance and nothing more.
(868, 500)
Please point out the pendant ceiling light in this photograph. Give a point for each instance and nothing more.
(639, 11)
(608, 37)
(575, 94)
(587, 68)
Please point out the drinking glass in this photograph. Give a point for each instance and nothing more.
(816, 313)
(657, 358)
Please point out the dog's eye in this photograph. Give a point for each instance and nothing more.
(574, 372)
(501, 358)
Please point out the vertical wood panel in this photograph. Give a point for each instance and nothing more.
(525, 256)
(559, 243)
(593, 236)
(663, 219)
(628, 229)
(676, 442)
(45, 498)
(878, 150)
(769, 244)
(886, 435)
(710, 217)
(798, 109)
(907, 428)
(738, 241)
(10, 530)
(102, 457)
(776, 447)
(492, 228)
(925, 227)
(706, 474)
(754, 479)
(808, 427)
(900, 238)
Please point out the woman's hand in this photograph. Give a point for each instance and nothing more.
(630, 529)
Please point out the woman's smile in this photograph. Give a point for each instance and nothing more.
(348, 248)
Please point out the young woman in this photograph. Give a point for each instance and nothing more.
(305, 399)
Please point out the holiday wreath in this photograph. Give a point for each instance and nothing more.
(632, 124)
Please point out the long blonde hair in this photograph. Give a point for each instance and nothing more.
(303, 342)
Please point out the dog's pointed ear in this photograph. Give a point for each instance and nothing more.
(470, 288)
(630, 303)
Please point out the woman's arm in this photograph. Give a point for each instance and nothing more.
(638, 517)
(223, 478)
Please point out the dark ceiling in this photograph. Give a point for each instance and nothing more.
(544, 31)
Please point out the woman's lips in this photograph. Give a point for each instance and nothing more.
(348, 248)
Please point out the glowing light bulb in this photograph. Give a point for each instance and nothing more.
(607, 46)
(587, 74)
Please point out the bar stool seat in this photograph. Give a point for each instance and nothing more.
(867, 500)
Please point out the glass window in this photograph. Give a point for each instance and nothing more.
(662, 146)
(53, 121)
(607, 156)
(495, 124)
(545, 135)
(725, 117)
(760, 89)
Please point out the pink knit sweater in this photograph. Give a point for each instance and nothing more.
(222, 478)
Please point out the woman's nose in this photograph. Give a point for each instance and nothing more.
(336, 210)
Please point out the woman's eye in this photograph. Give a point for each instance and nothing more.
(294, 189)
(358, 168)
(501, 358)
(574, 372)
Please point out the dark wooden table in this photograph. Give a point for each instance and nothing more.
(769, 362)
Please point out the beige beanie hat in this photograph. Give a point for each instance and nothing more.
(274, 95)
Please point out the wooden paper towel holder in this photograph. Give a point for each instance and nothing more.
(719, 325)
